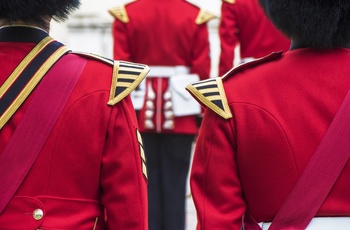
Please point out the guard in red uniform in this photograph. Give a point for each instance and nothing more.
(244, 23)
(170, 36)
(265, 119)
(87, 166)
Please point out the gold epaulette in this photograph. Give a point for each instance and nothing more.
(211, 94)
(126, 76)
(230, 1)
(204, 16)
(119, 13)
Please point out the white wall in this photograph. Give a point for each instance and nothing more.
(89, 29)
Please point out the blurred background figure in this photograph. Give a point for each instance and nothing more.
(171, 36)
(244, 23)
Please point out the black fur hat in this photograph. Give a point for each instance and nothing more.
(34, 11)
(313, 23)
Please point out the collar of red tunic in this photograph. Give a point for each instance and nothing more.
(22, 34)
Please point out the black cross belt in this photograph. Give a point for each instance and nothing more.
(27, 75)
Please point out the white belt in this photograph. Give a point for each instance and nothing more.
(168, 71)
(322, 223)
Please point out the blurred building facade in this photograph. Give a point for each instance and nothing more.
(89, 28)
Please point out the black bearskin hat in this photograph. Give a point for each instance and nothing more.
(35, 11)
(312, 23)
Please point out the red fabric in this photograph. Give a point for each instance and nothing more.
(281, 111)
(244, 23)
(59, 213)
(323, 170)
(164, 33)
(25, 145)
(92, 154)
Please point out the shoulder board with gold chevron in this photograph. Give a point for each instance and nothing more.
(119, 13)
(211, 94)
(126, 76)
(204, 16)
(252, 64)
(230, 1)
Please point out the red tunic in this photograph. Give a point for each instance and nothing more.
(166, 34)
(90, 164)
(281, 110)
(244, 23)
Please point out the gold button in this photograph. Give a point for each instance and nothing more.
(38, 214)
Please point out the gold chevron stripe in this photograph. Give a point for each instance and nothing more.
(214, 98)
(142, 154)
(144, 170)
(124, 84)
(205, 83)
(126, 76)
(131, 64)
(32, 83)
(209, 90)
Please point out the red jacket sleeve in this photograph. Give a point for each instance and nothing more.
(228, 37)
(121, 45)
(124, 182)
(200, 60)
(215, 184)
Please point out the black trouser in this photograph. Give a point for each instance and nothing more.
(168, 161)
